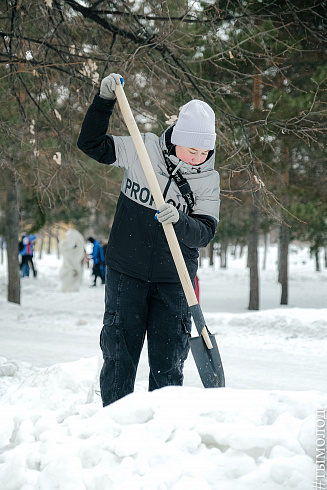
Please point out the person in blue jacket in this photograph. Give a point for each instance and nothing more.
(143, 292)
(98, 260)
(26, 246)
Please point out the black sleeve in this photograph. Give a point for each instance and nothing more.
(195, 231)
(93, 139)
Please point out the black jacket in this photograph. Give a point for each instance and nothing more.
(137, 244)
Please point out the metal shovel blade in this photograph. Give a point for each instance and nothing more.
(208, 362)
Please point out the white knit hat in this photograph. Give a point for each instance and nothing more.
(195, 127)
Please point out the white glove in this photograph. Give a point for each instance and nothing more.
(108, 85)
(167, 213)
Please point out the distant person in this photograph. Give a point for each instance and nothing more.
(104, 267)
(26, 251)
(98, 260)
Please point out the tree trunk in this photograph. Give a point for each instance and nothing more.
(1, 251)
(57, 240)
(211, 253)
(279, 256)
(326, 256)
(317, 260)
(265, 253)
(283, 262)
(253, 240)
(200, 258)
(223, 255)
(257, 90)
(41, 245)
(50, 238)
(12, 234)
(284, 234)
(284, 229)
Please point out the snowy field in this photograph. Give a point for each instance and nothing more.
(257, 433)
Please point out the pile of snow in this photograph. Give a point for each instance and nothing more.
(56, 435)
(258, 433)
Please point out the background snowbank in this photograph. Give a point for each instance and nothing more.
(55, 435)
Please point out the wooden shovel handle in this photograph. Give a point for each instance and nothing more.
(159, 201)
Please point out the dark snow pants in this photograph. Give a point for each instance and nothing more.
(98, 271)
(133, 309)
(28, 259)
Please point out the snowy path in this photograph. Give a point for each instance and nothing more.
(265, 368)
(281, 348)
(44, 348)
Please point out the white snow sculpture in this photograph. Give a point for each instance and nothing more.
(72, 250)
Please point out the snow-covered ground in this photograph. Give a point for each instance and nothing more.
(259, 432)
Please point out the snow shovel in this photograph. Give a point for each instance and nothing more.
(204, 348)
